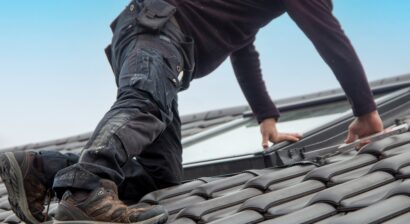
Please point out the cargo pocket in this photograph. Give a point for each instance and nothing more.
(155, 14)
(145, 70)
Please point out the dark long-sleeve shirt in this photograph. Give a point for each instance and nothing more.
(223, 28)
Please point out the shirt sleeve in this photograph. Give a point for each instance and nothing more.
(315, 19)
(247, 70)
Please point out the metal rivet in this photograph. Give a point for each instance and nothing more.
(178, 68)
(132, 7)
(180, 75)
(174, 80)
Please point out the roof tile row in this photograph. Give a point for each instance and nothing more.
(303, 193)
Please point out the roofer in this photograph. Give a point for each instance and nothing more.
(158, 47)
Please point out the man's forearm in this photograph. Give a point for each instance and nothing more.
(316, 20)
(246, 66)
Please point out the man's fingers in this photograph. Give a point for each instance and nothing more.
(281, 137)
(296, 135)
(290, 138)
(350, 138)
(287, 137)
(265, 141)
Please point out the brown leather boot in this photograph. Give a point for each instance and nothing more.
(103, 206)
(24, 178)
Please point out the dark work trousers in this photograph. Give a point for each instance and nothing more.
(137, 144)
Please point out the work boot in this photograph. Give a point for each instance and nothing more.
(23, 175)
(103, 206)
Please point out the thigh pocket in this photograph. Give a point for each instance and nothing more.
(145, 70)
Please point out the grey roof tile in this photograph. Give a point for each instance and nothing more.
(336, 194)
(3, 198)
(392, 164)
(397, 150)
(5, 205)
(3, 190)
(329, 220)
(4, 215)
(402, 219)
(260, 172)
(369, 197)
(173, 200)
(289, 207)
(12, 219)
(197, 211)
(284, 184)
(227, 191)
(402, 189)
(173, 206)
(172, 218)
(379, 212)
(351, 175)
(220, 213)
(183, 221)
(156, 196)
(404, 172)
(325, 173)
(379, 148)
(264, 181)
(76, 151)
(243, 217)
(263, 202)
(207, 190)
(209, 179)
(310, 214)
(71, 146)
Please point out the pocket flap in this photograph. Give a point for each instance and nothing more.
(159, 9)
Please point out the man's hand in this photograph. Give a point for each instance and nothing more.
(269, 133)
(363, 126)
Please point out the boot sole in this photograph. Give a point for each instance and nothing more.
(159, 219)
(13, 179)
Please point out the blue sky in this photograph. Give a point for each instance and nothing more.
(55, 80)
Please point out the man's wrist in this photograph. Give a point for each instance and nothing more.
(271, 119)
(370, 115)
(271, 116)
(364, 109)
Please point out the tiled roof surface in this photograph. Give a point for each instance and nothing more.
(366, 187)
(372, 186)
